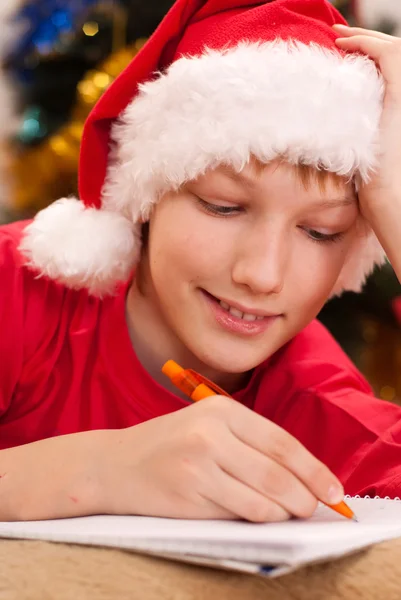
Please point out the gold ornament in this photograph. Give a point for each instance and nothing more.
(49, 171)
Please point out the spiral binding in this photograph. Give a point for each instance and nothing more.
(396, 499)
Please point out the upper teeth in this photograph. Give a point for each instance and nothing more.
(237, 313)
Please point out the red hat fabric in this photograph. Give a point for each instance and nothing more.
(219, 81)
(187, 29)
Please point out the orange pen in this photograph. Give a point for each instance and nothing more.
(197, 388)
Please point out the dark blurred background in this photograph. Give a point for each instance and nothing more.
(59, 56)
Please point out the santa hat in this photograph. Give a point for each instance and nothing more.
(220, 81)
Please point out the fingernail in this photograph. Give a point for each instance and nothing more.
(335, 494)
(341, 26)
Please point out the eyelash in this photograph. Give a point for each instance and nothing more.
(228, 211)
(221, 211)
(323, 238)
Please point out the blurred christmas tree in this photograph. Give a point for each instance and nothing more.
(347, 8)
(63, 56)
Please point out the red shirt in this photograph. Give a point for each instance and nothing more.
(67, 365)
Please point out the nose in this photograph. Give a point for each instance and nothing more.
(262, 260)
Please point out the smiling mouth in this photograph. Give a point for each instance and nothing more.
(240, 314)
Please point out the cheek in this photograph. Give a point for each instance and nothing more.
(316, 274)
(184, 246)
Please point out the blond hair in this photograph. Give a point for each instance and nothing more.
(306, 174)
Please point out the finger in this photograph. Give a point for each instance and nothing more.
(273, 441)
(204, 509)
(346, 31)
(387, 56)
(264, 475)
(373, 47)
(200, 508)
(235, 497)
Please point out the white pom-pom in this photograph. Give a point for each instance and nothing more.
(81, 247)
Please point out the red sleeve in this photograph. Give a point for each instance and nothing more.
(353, 433)
(11, 313)
(327, 404)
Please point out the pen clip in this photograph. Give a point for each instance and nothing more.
(215, 388)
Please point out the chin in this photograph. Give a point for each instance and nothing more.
(227, 353)
(226, 361)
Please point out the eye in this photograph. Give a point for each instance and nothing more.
(217, 209)
(323, 238)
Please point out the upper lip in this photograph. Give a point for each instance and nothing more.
(246, 309)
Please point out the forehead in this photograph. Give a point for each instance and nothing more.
(306, 176)
(256, 175)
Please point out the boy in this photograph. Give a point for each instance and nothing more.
(221, 220)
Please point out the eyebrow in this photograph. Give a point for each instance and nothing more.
(334, 202)
(240, 177)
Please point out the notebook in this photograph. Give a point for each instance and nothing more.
(269, 549)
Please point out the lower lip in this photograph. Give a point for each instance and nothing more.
(234, 324)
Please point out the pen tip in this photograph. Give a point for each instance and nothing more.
(355, 519)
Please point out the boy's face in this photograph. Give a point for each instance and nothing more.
(238, 264)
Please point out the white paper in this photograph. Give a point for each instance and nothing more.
(326, 535)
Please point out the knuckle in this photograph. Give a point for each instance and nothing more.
(198, 440)
(189, 475)
(275, 482)
(282, 446)
(306, 507)
(317, 472)
(265, 511)
(258, 511)
(282, 486)
(217, 405)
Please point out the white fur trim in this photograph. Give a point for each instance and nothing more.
(81, 247)
(308, 104)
